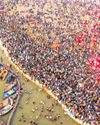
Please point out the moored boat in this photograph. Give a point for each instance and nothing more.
(6, 110)
(9, 87)
(6, 102)
(3, 74)
(10, 79)
(10, 92)
(14, 96)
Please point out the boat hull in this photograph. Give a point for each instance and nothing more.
(10, 92)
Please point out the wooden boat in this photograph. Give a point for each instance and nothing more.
(10, 92)
(14, 96)
(6, 102)
(15, 88)
(9, 87)
(10, 79)
(3, 74)
(6, 110)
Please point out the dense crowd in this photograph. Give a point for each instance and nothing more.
(58, 43)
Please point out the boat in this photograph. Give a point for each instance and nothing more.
(6, 110)
(10, 92)
(3, 74)
(15, 88)
(10, 79)
(6, 102)
(9, 87)
(14, 96)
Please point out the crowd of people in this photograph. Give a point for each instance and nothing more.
(57, 43)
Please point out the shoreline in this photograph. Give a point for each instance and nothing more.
(13, 104)
(36, 82)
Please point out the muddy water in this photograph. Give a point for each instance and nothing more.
(2, 84)
(34, 105)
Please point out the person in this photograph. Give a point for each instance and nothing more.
(52, 43)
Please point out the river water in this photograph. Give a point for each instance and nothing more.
(34, 105)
